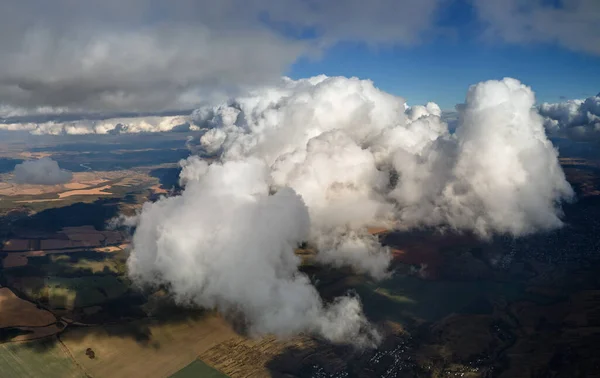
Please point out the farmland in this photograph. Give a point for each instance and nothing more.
(70, 292)
(17, 312)
(453, 305)
(160, 349)
(36, 359)
(86, 187)
(198, 369)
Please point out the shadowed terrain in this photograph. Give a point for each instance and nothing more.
(454, 305)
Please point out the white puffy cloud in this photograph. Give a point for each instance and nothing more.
(573, 24)
(506, 177)
(312, 134)
(44, 171)
(321, 160)
(336, 141)
(579, 119)
(226, 243)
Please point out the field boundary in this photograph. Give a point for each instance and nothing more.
(68, 352)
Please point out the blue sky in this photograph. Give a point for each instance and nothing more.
(441, 68)
(442, 71)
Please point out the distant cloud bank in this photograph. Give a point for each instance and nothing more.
(44, 171)
(578, 119)
(575, 119)
(125, 125)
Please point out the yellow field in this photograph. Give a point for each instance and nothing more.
(39, 200)
(75, 186)
(244, 358)
(36, 359)
(83, 183)
(170, 348)
(158, 190)
(95, 191)
(28, 155)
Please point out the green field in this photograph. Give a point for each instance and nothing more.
(73, 292)
(72, 264)
(198, 369)
(408, 297)
(36, 359)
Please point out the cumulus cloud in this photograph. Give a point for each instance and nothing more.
(579, 119)
(140, 55)
(125, 125)
(44, 171)
(336, 141)
(322, 159)
(506, 177)
(573, 24)
(226, 243)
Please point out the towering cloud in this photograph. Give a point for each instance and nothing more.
(573, 118)
(322, 159)
(226, 243)
(334, 137)
(506, 177)
(44, 171)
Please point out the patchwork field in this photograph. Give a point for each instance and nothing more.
(241, 357)
(583, 174)
(164, 350)
(76, 241)
(80, 181)
(21, 259)
(449, 309)
(84, 187)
